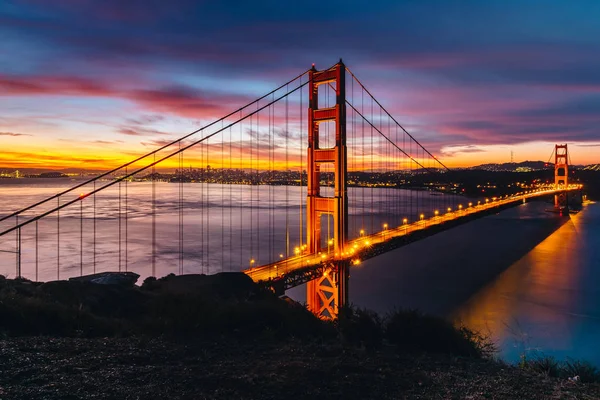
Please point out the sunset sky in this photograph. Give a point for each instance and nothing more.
(89, 84)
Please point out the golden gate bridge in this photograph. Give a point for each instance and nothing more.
(292, 189)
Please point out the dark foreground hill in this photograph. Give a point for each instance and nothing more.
(223, 337)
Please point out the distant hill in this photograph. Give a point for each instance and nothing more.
(38, 171)
(514, 167)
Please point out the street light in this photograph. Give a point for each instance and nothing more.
(252, 261)
(362, 232)
(297, 250)
(449, 210)
(329, 244)
(405, 222)
(421, 217)
(470, 204)
(385, 226)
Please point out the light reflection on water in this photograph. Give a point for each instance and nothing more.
(528, 277)
(548, 301)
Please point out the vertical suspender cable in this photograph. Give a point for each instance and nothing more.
(94, 228)
(372, 170)
(36, 251)
(258, 183)
(126, 219)
(208, 179)
(252, 133)
(363, 186)
(153, 218)
(202, 207)
(58, 240)
(17, 248)
(222, 182)
(230, 202)
(119, 226)
(241, 219)
(81, 237)
(301, 166)
(287, 180)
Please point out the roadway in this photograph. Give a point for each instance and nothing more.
(356, 249)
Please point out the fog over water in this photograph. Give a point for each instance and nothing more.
(224, 226)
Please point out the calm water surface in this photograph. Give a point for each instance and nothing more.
(528, 277)
(549, 300)
(224, 226)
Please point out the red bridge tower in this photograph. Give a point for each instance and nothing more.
(561, 174)
(329, 292)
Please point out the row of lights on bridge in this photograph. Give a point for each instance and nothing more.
(299, 249)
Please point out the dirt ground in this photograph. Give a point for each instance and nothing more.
(139, 368)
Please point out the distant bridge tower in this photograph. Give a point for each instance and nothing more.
(329, 292)
(561, 174)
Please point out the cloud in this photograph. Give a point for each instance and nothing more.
(139, 131)
(178, 100)
(13, 134)
(107, 141)
(453, 151)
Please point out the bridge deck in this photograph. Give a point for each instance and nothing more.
(371, 245)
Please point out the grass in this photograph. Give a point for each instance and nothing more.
(213, 306)
(415, 332)
(581, 370)
(231, 305)
(166, 306)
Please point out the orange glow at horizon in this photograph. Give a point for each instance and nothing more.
(24, 154)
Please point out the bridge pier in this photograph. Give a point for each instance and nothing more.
(326, 294)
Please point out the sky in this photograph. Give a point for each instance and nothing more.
(90, 84)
